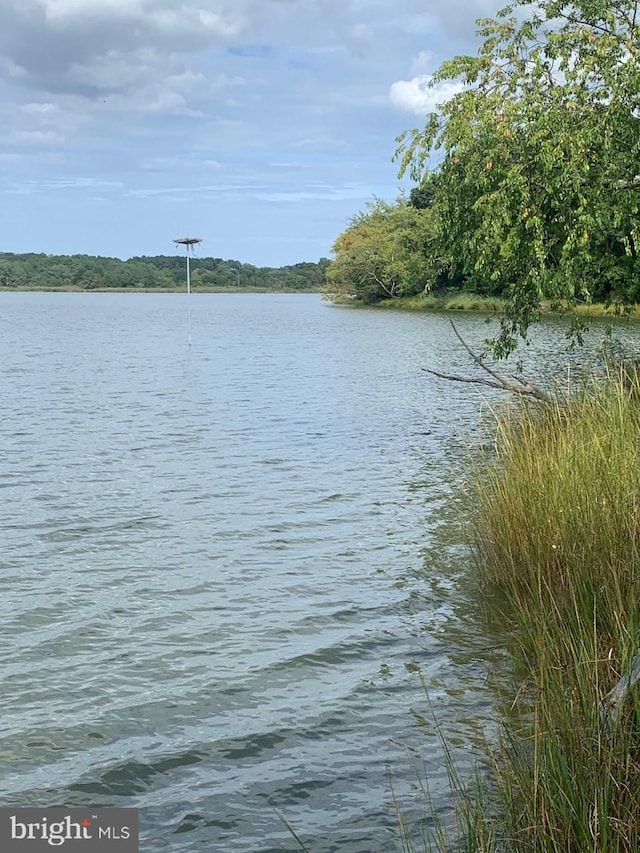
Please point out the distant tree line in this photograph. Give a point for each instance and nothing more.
(89, 272)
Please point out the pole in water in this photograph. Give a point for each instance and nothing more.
(188, 243)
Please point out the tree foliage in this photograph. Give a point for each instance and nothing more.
(88, 272)
(538, 181)
(384, 252)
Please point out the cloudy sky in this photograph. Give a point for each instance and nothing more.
(259, 125)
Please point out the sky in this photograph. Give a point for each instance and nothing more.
(260, 126)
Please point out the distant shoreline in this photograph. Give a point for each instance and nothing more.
(150, 290)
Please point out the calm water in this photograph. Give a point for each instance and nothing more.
(221, 565)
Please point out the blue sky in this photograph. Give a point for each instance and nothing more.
(259, 125)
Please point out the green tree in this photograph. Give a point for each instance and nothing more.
(538, 190)
(424, 194)
(383, 253)
(7, 275)
(161, 271)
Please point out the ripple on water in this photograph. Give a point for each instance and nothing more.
(215, 567)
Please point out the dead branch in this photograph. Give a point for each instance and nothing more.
(514, 386)
(612, 704)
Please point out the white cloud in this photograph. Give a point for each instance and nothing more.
(360, 39)
(39, 137)
(89, 47)
(82, 183)
(419, 96)
(13, 70)
(193, 18)
(61, 9)
(317, 192)
(39, 108)
(422, 63)
(112, 72)
(193, 190)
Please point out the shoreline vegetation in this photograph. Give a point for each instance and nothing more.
(556, 544)
(179, 290)
(156, 274)
(475, 303)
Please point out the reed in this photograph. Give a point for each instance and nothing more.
(556, 533)
(454, 301)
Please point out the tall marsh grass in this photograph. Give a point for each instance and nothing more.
(557, 537)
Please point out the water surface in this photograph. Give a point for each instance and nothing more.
(222, 565)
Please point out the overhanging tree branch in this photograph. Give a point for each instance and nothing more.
(514, 386)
